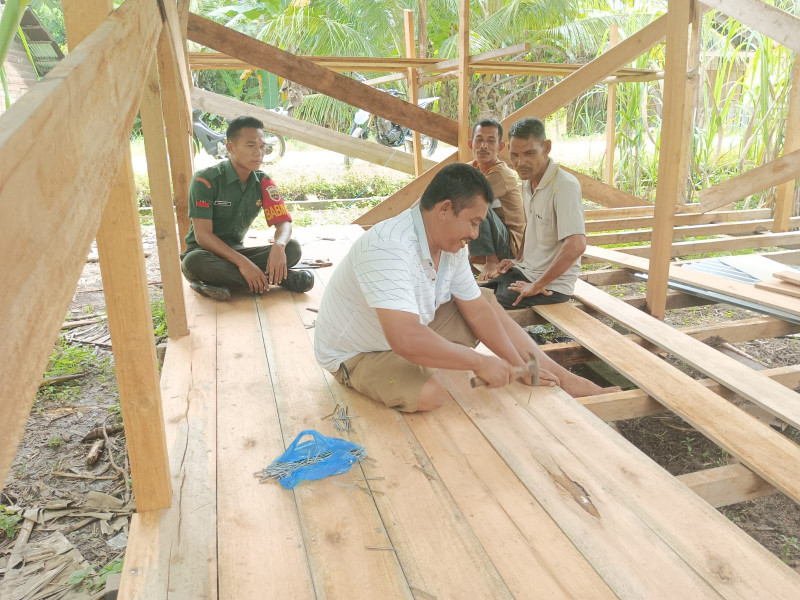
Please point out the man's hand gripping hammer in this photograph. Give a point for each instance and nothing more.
(530, 368)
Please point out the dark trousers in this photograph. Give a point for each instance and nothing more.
(492, 238)
(198, 264)
(506, 297)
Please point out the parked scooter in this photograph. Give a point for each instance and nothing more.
(214, 142)
(388, 133)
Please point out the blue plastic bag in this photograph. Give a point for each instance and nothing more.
(316, 458)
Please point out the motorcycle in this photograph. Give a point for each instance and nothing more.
(388, 133)
(213, 142)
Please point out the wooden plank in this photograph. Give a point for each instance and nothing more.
(163, 212)
(791, 276)
(726, 485)
(592, 73)
(773, 173)
(772, 456)
(611, 113)
(119, 245)
(570, 353)
(784, 199)
(403, 198)
(751, 385)
(604, 194)
(252, 564)
(63, 112)
(413, 92)
(464, 79)
(337, 522)
(738, 567)
(614, 224)
(637, 403)
(781, 287)
(523, 542)
(321, 79)
(308, 132)
(687, 231)
(692, 89)
(669, 157)
(178, 130)
(762, 240)
(608, 276)
(184, 537)
(765, 18)
(610, 533)
(701, 280)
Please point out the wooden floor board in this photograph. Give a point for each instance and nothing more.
(260, 542)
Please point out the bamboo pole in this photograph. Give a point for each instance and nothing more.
(611, 112)
(119, 245)
(464, 154)
(784, 199)
(669, 157)
(413, 92)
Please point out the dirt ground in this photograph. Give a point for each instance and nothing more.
(50, 469)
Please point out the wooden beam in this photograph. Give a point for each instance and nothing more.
(614, 224)
(611, 113)
(764, 18)
(751, 385)
(572, 353)
(784, 199)
(608, 276)
(464, 78)
(321, 79)
(726, 485)
(604, 194)
(63, 113)
(413, 92)
(703, 281)
(403, 198)
(669, 155)
(762, 240)
(295, 129)
(592, 73)
(119, 245)
(781, 287)
(692, 83)
(687, 231)
(163, 212)
(636, 211)
(775, 172)
(765, 451)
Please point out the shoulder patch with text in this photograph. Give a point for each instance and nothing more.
(204, 181)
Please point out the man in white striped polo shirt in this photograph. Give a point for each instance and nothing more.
(404, 303)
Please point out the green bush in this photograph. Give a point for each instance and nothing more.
(350, 185)
(142, 183)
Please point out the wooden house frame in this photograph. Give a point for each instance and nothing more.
(134, 59)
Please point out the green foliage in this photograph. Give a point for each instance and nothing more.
(8, 521)
(790, 547)
(68, 359)
(159, 318)
(92, 580)
(142, 184)
(54, 441)
(348, 185)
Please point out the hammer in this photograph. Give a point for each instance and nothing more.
(529, 368)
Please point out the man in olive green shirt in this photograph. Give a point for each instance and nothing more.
(501, 232)
(224, 200)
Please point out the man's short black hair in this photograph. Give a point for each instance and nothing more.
(529, 127)
(240, 123)
(459, 183)
(489, 123)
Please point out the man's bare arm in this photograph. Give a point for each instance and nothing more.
(571, 250)
(487, 327)
(276, 263)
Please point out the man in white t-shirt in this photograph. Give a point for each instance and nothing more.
(549, 261)
(404, 303)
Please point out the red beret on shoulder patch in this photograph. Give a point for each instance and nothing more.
(272, 202)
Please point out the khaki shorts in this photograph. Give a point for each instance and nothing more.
(395, 381)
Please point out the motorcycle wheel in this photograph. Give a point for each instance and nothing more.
(357, 132)
(278, 148)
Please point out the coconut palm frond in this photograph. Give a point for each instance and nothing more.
(326, 111)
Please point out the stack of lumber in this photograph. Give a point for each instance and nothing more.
(783, 282)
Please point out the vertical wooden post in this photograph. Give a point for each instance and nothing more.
(179, 134)
(464, 154)
(422, 34)
(413, 93)
(611, 112)
(784, 200)
(692, 90)
(163, 214)
(669, 158)
(119, 245)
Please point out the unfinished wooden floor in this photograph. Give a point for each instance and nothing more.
(529, 495)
